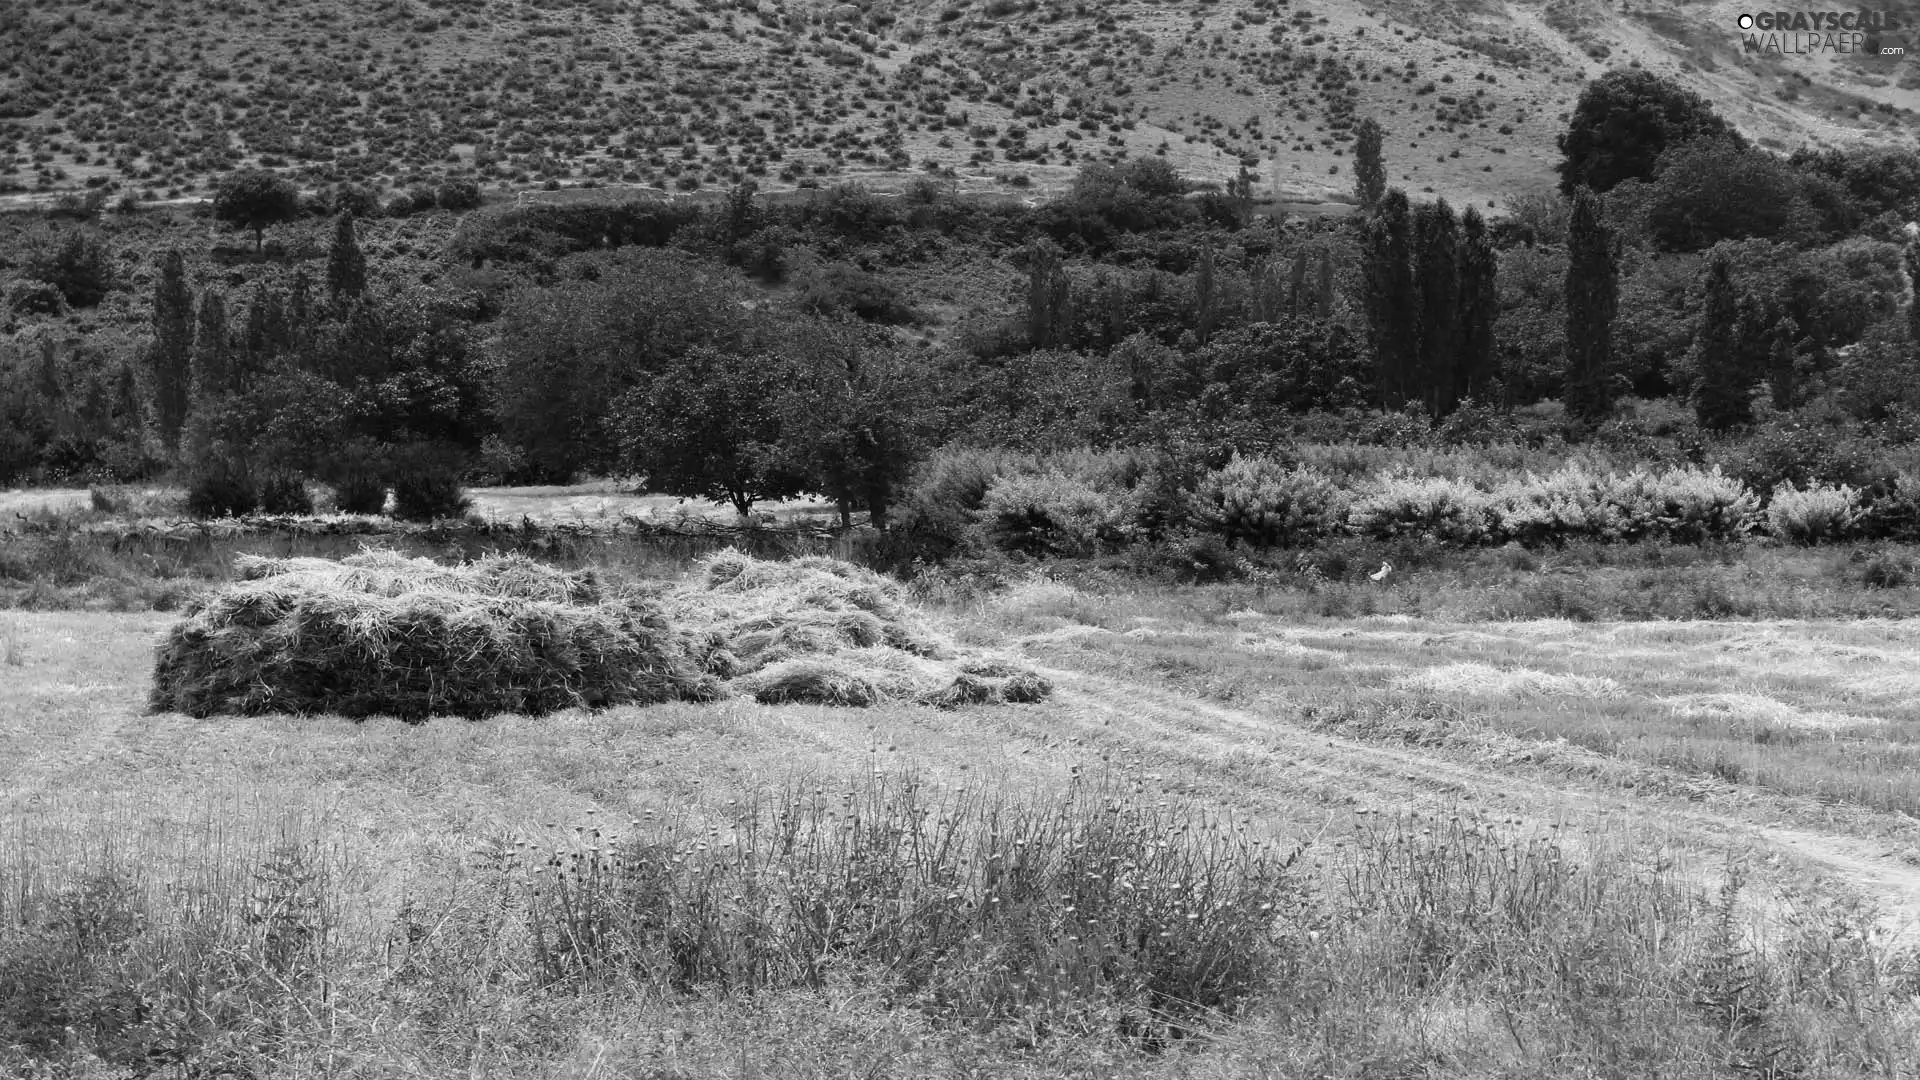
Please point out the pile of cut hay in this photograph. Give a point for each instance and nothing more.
(382, 634)
(379, 633)
(823, 631)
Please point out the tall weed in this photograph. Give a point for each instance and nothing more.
(1080, 909)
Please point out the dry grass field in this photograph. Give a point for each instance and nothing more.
(1637, 849)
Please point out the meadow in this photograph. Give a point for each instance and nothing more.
(1473, 848)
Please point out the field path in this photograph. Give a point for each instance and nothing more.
(1270, 765)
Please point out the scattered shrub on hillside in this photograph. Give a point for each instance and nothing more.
(457, 195)
(1818, 514)
(1054, 514)
(1262, 504)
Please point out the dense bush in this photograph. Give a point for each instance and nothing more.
(1259, 503)
(77, 262)
(1570, 504)
(1440, 508)
(842, 288)
(219, 486)
(1895, 514)
(1688, 506)
(1051, 513)
(1821, 513)
(427, 483)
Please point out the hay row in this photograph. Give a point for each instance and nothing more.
(380, 633)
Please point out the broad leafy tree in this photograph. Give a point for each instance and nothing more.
(856, 414)
(1622, 124)
(255, 199)
(708, 425)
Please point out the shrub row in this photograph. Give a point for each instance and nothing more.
(1097, 504)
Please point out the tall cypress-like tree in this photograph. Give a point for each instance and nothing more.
(1783, 377)
(1593, 299)
(1369, 167)
(1391, 301)
(266, 335)
(1297, 283)
(346, 266)
(170, 357)
(1913, 276)
(1206, 297)
(1720, 399)
(300, 317)
(1474, 370)
(215, 374)
(1436, 268)
(1323, 287)
(1047, 295)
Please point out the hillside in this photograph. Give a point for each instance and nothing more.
(157, 99)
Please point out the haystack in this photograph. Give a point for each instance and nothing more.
(378, 633)
(823, 631)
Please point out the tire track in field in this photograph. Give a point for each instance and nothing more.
(1390, 778)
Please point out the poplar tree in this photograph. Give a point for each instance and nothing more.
(1593, 299)
(1206, 297)
(1720, 399)
(1913, 276)
(1046, 295)
(1782, 377)
(170, 356)
(346, 266)
(1323, 288)
(1479, 305)
(1369, 169)
(214, 373)
(1391, 301)
(1436, 263)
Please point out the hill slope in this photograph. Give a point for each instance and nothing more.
(687, 94)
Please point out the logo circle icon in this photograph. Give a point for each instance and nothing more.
(1746, 22)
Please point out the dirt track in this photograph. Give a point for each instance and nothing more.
(1276, 769)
